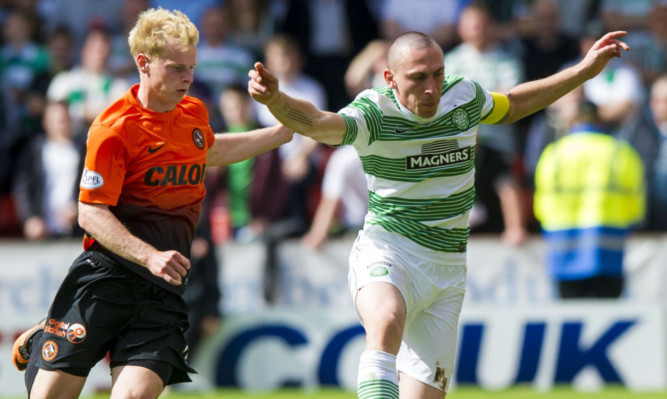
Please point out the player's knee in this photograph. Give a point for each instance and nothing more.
(133, 392)
(384, 326)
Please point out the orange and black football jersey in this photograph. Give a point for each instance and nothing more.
(149, 168)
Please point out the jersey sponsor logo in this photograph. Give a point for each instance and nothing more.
(49, 350)
(460, 119)
(198, 138)
(156, 149)
(76, 333)
(427, 161)
(175, 175)
(401, 130)
(91, 179)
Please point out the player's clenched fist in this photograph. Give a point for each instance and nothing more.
(170, 266)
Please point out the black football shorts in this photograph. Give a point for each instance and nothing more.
(102, 307)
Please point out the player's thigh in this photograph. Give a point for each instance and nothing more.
(135, 382)
(429, 341)
(382, 310)
(56, 384)
(410, 388)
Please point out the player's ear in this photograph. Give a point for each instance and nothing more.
(389, 78)
(142, 62)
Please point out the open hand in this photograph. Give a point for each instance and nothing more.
(603, 50)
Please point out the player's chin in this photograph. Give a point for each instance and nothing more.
(428, 110)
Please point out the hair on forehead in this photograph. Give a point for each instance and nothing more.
(155, 29)
(406, 41)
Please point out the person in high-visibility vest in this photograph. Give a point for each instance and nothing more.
(589, 193)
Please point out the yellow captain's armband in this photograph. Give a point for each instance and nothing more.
(501, 105)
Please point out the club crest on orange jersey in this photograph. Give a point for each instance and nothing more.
(198, 138)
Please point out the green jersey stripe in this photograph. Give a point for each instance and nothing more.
(422, 210)
(372, 115)
(350, 130)
(450, 82)
(435, 238)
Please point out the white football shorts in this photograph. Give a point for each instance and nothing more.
(433, 294)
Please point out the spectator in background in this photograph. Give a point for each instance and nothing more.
(251, 24)
(46, 185)
(589, 194)
(436, 18)
(658, 106)
(121, 64)
(617, 91)
(649, 55)
(221, 63)
(21, 60)
(330, 33)
(628, 15)
(344, 201)
(574, 14)
(547, 127)
(367, 68)
(283, 56)
(647, 132)
(237, 111)
(498, 206)
(547, 49)
(88, 88)
(31, 10)
(60, 51)
(80, 16)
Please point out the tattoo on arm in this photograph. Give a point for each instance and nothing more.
(296, 115)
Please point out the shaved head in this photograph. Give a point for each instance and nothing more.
(406, 42)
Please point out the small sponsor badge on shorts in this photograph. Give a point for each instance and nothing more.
(379, 269)
(76, 333)
(49, 350)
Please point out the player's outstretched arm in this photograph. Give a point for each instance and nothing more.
(299, 115)
(235, 147)
(98, 221)
(531, 97)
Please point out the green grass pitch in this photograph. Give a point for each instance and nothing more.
(458, 393)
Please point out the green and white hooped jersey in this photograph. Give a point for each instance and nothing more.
(420, 172)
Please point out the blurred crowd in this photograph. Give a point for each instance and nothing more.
(64, 61)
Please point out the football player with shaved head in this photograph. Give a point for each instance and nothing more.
(416, 140)
(139, 203)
